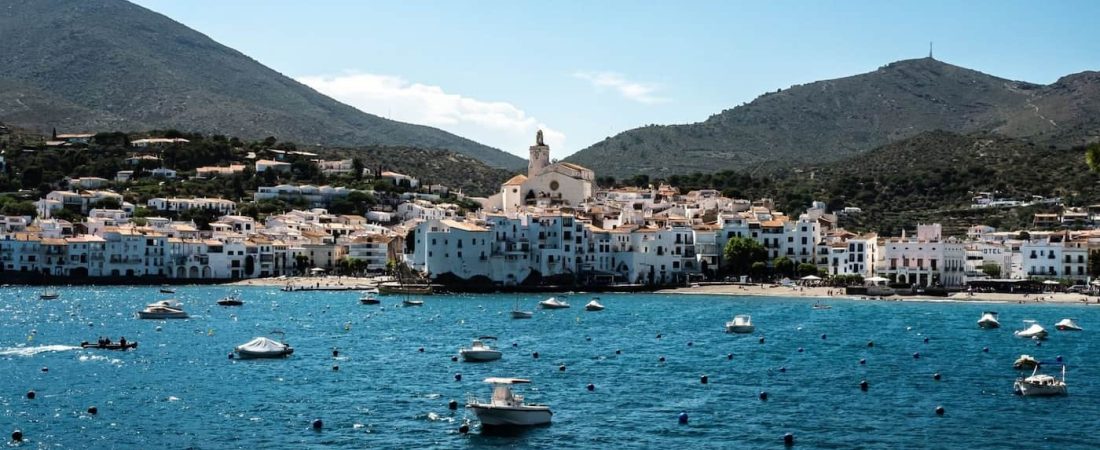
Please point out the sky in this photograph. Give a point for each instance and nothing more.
(496, 71)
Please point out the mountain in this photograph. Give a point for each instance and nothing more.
(106, 65)
(833, 119)
(930, 177)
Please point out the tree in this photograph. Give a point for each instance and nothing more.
(301, 262)
(783, 266)
(806, 269)
(1092, 156)
(992, 270)
(758, 269)
(740, 253)
(357, 168)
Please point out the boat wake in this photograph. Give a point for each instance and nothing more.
(31, 351)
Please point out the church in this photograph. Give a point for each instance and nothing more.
(545, 184)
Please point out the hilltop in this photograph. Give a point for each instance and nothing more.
(104, 65)
(834, 119)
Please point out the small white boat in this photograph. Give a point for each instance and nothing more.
(740, 324)
(479, 352)
(819, 305)
(164, 309)
(167, 291)
(1040, 385)
(508, 409)
(594, 305)
(1025, 362)
(369, 299)
(1067, 325)
(412, 302)
(49, 294)
(263, 347)
(989, 320)
(1035, 331)
(371, 290)
(553, 303)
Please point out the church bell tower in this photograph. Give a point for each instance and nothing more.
(540, 156)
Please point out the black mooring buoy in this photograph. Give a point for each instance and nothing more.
(93, 410)
(704, 379)
(763, 395)
(458, 377)
(863, 385)
(31, 395)
(464, 428)
(788, 439)
(590, 387)
(17, 436)
(317, 424)
(452, 405)
(939, 411)
(683, 417)
(936, 376)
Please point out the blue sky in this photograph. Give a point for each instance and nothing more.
(494, 71)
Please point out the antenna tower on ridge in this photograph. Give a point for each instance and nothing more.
(930, 50)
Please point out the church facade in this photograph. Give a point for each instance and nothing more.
(560, 183)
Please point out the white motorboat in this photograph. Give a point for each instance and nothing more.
(1067, 325)
(594, 305)
(740, 324)
(479, 352)
(508, 409)
(819, 305)
(369, 298)
(49, 294)
(553, 303)
(1025, 362)
(1040, 385)
(168, 309)
(263, 347)
(989, 320)
(407, 302)
(371, 290)
(1035, 331)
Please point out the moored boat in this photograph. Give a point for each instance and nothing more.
(819, 305)
(479, 351)
(369, 299)
(164, 309)
(167, 291)
(1025, 362)
(508, 409)
(1040, 385)
(408, 302)
(741, 324)
(594, 305)
(1035, 331)
(521, 314)
(1067, 325)
(553, 303)
(49, 294)
(989, 320)
(262, 347)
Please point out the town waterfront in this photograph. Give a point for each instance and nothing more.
(179, 389)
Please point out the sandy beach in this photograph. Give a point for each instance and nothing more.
(329, 282)
(769, 290)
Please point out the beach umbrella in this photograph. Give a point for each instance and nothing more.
(811, 278)
(1051, 282)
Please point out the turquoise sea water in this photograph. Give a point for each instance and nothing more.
(180, 390)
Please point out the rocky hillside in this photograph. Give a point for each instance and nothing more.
(106, 65)
(834, 119)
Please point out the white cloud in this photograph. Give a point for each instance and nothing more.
(631, 90)
(497, 124)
